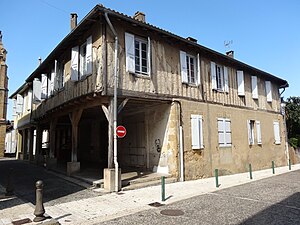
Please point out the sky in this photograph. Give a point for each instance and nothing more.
(263, 33)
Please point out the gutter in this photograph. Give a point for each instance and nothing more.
(115, 103)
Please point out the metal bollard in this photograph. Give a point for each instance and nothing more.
(250, 171)
(290, 165)
(217, 178)
(163, 188)
(39, 207)
(273, 167)
(10, 186)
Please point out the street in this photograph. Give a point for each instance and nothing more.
(274, 200)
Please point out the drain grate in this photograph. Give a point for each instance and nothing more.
(172, 212)
(156, 204)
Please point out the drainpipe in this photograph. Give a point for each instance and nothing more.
(115, 104)
(283, 113)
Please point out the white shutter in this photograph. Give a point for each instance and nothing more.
(249, 132)
(276, 132)
(227, 132)
(51, 83)
(241, 84)
(149, 56)
(29, 100)
(197, 132)
(74, 63)
(268, 91)
(36, 91)
(221, 131)
(56, 76)
(89, 55)
(19, 103)
(226, 87)
(258, 133)
(213, 75)
(198, 82)
(254, 87)
(44, 86)
(130, 55)
(183, 67)
(14, 107)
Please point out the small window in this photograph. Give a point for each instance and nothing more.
(191, 68)
(276, 132)
(197, 132)
(224, 131)
(141, 60)
(219, 77)
(82, 60)
(252, 127)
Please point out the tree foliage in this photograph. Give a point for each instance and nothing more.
(292, 111)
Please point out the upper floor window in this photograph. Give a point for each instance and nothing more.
(81, 60)
(268, 91)
(190, 68)
(219, 77)
(240, 82)
(224, 131)
(137, 54)
(254, 87)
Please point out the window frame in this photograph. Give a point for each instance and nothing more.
(141, 41)
(188, 66)
(220, 77)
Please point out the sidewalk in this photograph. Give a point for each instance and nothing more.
(109, 206)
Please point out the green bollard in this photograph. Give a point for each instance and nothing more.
(217, 177)
(250, 171)
(290, 165)
(163, 190)
(273, 167)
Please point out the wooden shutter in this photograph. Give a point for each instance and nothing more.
(149, 56)
(268, 91)
(197, 132)
(55, 77)
(74, 63)
(19, 103)
(14, 113)
(37, 91)
(29, 100)
(51, 83)
(89, 55)
(183, 66)
(258, 133)
(198, 82)
(221, 131)
(254, 87)
(44, 86)
(130, 55)
(227, 132)
(241, 83)
(276, 132)
(226, 86)
(213, 75)
(249, 132)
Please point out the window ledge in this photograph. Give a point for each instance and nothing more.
(140, 75)
(191, 84)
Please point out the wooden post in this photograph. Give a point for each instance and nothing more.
(75, 118)
(53, 124)
(39, 136)
(30, 137)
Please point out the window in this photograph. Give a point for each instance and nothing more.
(197, 132)
(268, 91)
(60, 73)
(252, 126)
(240, 82)
(219, 76)
(81, 60)
(137, 54)
(254, 87)
(276, 132)
(190, 68)
(224, 131)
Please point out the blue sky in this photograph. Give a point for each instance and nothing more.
(265, 34)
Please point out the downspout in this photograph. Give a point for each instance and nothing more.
(283, 113)
(115, 104)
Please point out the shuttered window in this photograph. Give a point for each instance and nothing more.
(240, 82)
(44, 86)
(254, 87)
(219, 77)
(224, 132)
(197, 131)
(268, 91)
(258, 133)
(189, 68)
(276, 132)
(252, 127)
(37, 91)
(19, 108)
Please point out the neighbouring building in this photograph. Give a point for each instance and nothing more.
(10, 140)
(187, 109)
(3, 95)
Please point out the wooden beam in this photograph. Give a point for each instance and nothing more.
(106, 111)
(121, 106)
(75, 118)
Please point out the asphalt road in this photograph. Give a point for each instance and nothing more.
(56, 190)
(275, 200)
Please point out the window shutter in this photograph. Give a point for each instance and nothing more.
(227, 131)
(74, 63)
(19, 103)
(254, 87)
(149, 56)
(44, 93)
(268, 91)
(226, 87)
(221, 131)
(241, 84)
(130, 56)
(213, 75)
(29, 100)
(89, 55)
(249, 132)
(14, 113)
(183, 66)
(55, 77)
(37, 91)
(258, 132)
(51, 83)
(198, 82)
(195, 131)
(276, 132)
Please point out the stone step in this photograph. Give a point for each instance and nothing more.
(148, 184)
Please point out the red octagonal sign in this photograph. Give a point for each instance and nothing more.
(121, 131)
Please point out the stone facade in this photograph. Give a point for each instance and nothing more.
(3, 96)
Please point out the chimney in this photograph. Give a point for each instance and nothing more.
(192, 39)
(40, 60)
(139, 16)
(73, 21)
(230, 54)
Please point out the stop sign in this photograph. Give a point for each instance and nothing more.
(121, 131)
